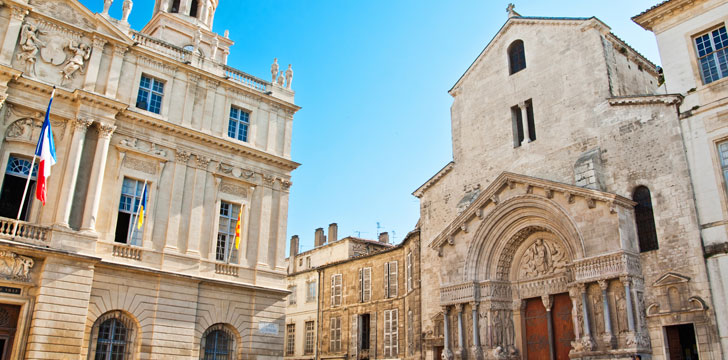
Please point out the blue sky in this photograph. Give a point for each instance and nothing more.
(372, 78)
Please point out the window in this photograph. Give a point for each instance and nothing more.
(308, 349)
(112, 337)
(409, 271)
(335, 334)
(311, 291)
(290, 339)
(292, 295)
(723, 152)
(127, 220)
(175, 6)
(218, 343)
(238, 124)
(390, 279)
(150, 94)
(519, 126)
(391, 332)
(365, 284)
(336, 290)
(516, 57)
(308, 262)
(645, 219)
(193, 8)
(712, 50)
(11, 195)
(225, 248)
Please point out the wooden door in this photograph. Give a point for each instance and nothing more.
(537, 334)
(8, 325)
(563, 326)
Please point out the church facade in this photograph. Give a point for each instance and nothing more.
(152, 117)
(565, 226)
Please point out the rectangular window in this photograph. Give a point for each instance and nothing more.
(238, 124)
(336, 290)
(292, 295)
(310, 335)
(712, 50)
(126, 222)
(723, 150)
(150, 94)
(409, 271)
(390, 279)
(517, 123)
(530, 121)
(365, 284)
(225, 247)
(391, 333)
(311, 291)
(335, 334)
(16, 175)
(308, 262)
(290, 339)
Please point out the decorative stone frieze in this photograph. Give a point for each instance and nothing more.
(144, 166)
(233, 189)
(15, 267)
(607, 267)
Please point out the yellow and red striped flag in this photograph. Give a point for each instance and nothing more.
(237, 228)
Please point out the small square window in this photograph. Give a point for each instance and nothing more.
(150, 94)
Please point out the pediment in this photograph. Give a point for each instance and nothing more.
(670, 278)
(508, 185)
(75, 14)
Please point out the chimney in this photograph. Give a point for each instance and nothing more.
(319, 237)
(294, 246)
(384, 238)
(333, 232)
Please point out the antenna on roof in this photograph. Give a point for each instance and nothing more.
(358, 233)
(378, 228)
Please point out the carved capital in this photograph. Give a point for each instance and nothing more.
(474, 304)
(105, 130)
(445, 309)
(3, 97)
(202, 161)
(18, 13)
(460, 307)
(120, 50)
(82, 124)
(182, 156)
(98, 43)
(285, 184)
(603, 284)
(626, 280)
(268, 179)
(547, 301)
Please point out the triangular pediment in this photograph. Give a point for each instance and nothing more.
(510, 184)
(75, 15)
(670, 279)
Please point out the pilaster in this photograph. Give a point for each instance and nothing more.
(15, 23)
(70, 175)
(93, 196)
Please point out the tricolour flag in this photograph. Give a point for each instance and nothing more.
(142, 207)
(237, 228)
(46, 151)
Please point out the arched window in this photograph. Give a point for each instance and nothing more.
(218, 343)
(645, 219)
(113, 337)
(516, 56)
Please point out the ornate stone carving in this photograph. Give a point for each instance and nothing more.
(105, 130)
(126, 10)
(62, 11)
(18, 13)
(506, 258)
(19, 128)
(29, 46)
(82, 124)
(542, 258)
(285, 184)
(98, 43)
(140, 165)
(233, 189)
(182, 156)
(273, 70)
(503, 333)
(14, 266)
(23, 130)
(202, 162)
(81, 53)
(268, 179)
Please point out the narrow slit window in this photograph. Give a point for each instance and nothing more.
(645, 219)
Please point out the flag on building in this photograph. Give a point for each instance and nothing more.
(237, 228)
(142, 207)
(46, 151)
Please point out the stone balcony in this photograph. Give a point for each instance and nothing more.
(23, 231)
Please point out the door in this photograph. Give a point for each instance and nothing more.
(537, 334)
(563, 326)
(681, 342)
(8, 325)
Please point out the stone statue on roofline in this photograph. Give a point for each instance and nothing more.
(281, 79)
(107, 5)
(274, 70)
(289, 76)
(126, 10)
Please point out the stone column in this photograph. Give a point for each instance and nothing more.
(117, 59)
(609, 337)
(476, 332)
(524, 122)
(92, 71)
(197, 210)
(174, 217)
(460, 352)
(587, 342)
(17, 15)
(70, 176)
(446, 352)
(547, 301)
(628, 297)
(93, 194)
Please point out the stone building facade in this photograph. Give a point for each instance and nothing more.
(302, 308)
(565, 225)
(686, 33)
(369, 306)
(157, 108)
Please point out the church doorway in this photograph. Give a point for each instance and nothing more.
(549, 333)
(681, 344)
(8, 326)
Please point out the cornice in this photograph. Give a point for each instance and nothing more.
(648, 18)
(222, 144)
(80, 30)
(490, 195)
(434, 179)
(668, 99)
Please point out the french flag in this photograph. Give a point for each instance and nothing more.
(46, 151)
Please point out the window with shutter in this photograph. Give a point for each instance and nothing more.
(393, 279)
(366, 285)
(409, 271)
(336, 290)
(391, 333)
(386, 280)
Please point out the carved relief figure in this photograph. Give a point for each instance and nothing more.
(289, 76)
(273, 69)
(29, 45)
(14, 266)
(597, 313)
(126, 10)
(621, 302)
(542, 258)
(81, 53)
